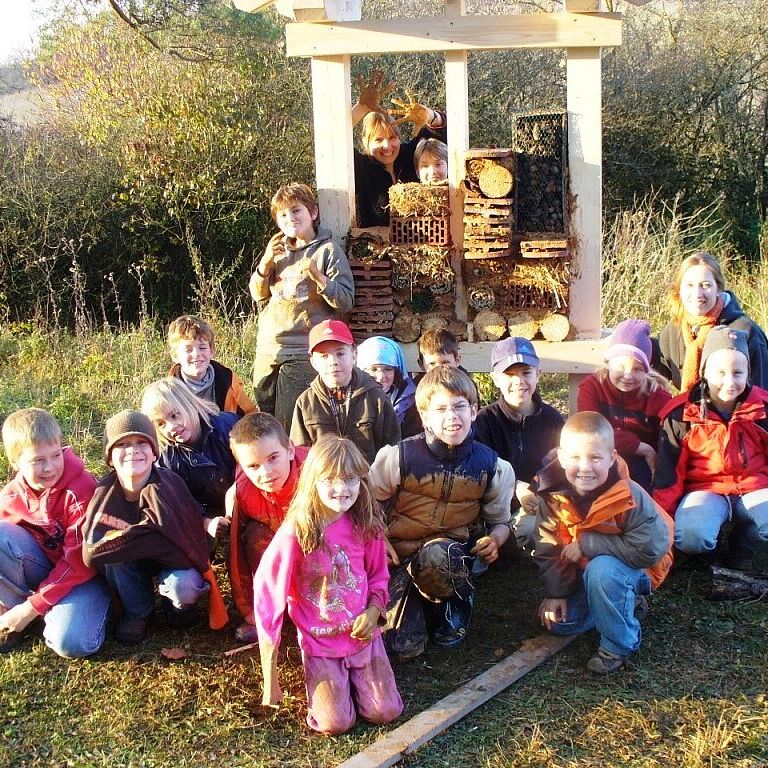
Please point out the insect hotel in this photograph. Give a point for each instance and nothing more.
(512, 244)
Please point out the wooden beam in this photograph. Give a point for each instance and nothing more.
(457, 112)
(572, 357)
(306, 10)
(406, 739)
(448, 33)
(333, 140)
(585, 166)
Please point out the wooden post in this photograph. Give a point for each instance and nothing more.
(457, 112)
(333, 140)
(584, 104)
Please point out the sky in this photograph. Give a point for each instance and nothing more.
(19, 21)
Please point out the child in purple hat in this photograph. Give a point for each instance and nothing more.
(631, 396)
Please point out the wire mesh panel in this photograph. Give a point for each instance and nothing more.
(540, 141)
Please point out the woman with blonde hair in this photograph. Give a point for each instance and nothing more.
(699, 302)
(386, 159)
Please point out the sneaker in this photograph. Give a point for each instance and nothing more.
(405, 646)
(455, 624)
(606, 663)
(131, 630)
(246, 633)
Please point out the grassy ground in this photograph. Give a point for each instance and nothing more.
(695, 698)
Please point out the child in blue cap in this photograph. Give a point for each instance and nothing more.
(383, 359)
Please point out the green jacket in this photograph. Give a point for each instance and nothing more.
(368, 418)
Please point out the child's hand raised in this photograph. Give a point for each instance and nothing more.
(314, 273)
(411, 111)
(365, 624)
(274, 250)
(373, 91)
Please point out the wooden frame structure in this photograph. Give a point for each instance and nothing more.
(582, 29)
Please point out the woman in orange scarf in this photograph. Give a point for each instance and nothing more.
(699, 302)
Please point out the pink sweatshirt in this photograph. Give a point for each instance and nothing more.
(324, 591)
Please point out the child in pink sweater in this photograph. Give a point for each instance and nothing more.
(328, 565)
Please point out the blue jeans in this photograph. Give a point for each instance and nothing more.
(701, 514)
(607, 603)
(134, 583)
(76, 625)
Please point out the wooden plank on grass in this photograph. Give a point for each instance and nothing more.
(404, 740)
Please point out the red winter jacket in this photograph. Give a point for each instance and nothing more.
(699, 451)
(634, 417)
(269, 509)
(53, 517)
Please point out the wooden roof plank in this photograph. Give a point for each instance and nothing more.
(451, 33)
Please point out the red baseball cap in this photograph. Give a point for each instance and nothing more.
(330, 330)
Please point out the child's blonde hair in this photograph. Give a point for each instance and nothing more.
(289, 194)
(695, 259)
(373, 124)
(590, 425)
(332, 457)
(189, 328)
(651, 382)
(166, 395)
(448, 379)
(434, 148)
(27, 428)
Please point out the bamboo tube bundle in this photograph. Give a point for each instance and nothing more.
(406, 327)
(522, 324)
(489, 325)
(555, 327)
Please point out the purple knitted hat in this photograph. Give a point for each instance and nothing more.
(631, 338)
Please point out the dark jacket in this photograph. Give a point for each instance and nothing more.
(372, 179)
(228, 390)
(367, 418)
(208, 469)
(522, 442)
(670, 355)
(699, 451)
(164, 525)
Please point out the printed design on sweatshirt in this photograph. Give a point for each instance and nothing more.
(293, 283)
(328, 582)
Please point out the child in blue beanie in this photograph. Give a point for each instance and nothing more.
(383, 359)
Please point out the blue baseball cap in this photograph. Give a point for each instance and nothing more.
(513, 351)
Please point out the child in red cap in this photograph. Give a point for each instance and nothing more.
(342, 400)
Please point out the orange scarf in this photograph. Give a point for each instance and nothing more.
(695, 329)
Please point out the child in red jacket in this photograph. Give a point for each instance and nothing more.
(268, 469)
(42, 572)
(630, 396)
(713, 456)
